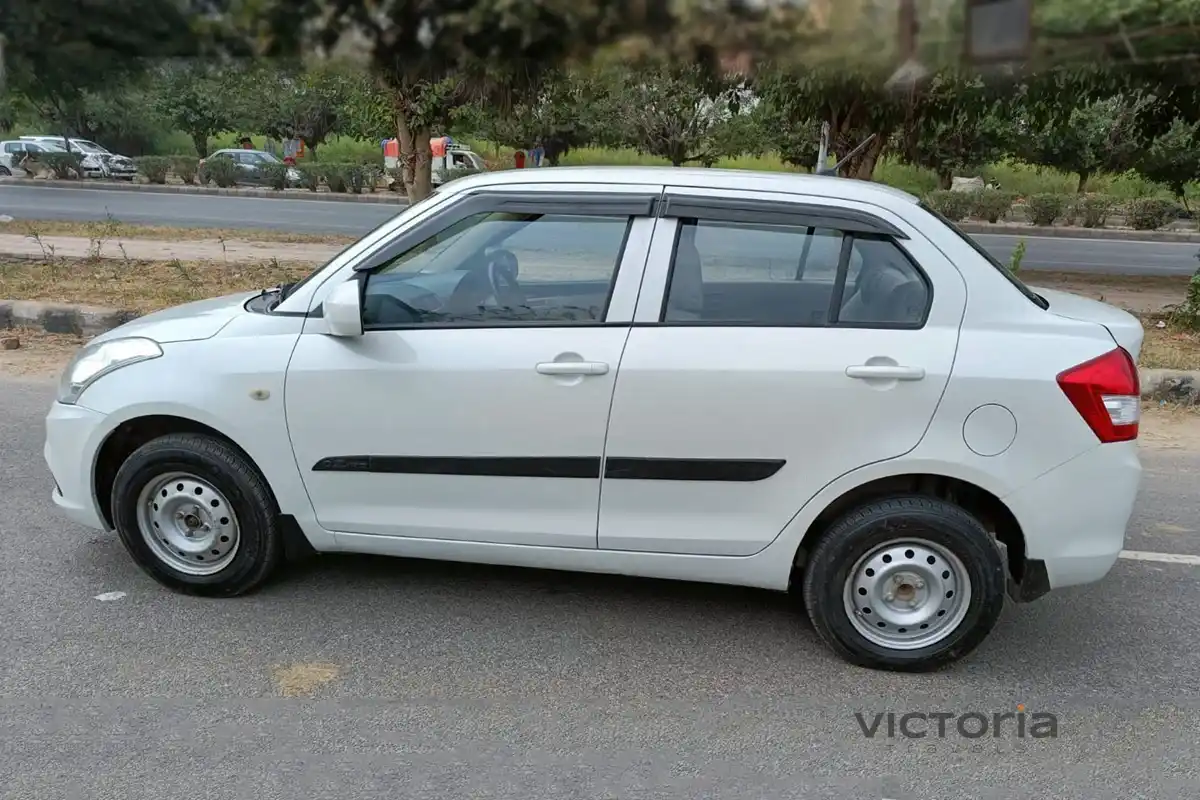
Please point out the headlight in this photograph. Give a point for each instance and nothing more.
(99, 359)
(293, 174)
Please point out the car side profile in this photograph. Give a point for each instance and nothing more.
(780, 381)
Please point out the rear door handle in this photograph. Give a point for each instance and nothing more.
(572, 368)
(885, 372)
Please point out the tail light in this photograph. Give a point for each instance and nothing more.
(1107, 394)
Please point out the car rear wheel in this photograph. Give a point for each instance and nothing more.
(5, 172)
(197, 516)
(907, 583)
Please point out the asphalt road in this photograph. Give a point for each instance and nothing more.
(1089, 255)
(470, 682)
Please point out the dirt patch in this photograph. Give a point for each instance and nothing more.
(302, 680)
(41, 356)
(140, 286)
(1170, 428)
(112, 230)
(1168, 349)
(1141, 294)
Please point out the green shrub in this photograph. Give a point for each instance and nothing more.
(155, 168)
(335, 178)
(1045, 208)
(954, 206)
(991, 204)
(354, 176)
(1187, 314)
(185, 168)
(65, 166)
(275, 175)
(221, 170)
(458, 172)
(310, 176)
(1150, 213)
(1092, 209)
(1018, 255)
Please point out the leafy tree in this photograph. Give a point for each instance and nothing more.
(853, 102)
(1099, 135)
(1173, 159)
(57, 53)
(298, 103)
(956, 123)
(196, 98)
(684, 114)
(564, 110)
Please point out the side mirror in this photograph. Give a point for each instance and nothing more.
(343, 310)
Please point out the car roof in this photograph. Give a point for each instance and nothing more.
(696, 177)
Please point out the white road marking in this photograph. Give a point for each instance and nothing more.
(1164, 558)
(104, 598)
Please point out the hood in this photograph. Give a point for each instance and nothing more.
(1125, 328)
(189, 322)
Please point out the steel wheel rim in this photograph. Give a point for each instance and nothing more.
(188, 524)
(907, 594)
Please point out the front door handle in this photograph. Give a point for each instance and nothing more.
(572, 368)
(885, 372)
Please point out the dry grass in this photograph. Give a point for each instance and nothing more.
(114, 229)
(1169, 349)
(140, 286)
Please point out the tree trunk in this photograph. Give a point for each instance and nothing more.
(408, 156)
(866, 168)
(200, 142)
(1084, 174)
(945, 180)
(422, 185)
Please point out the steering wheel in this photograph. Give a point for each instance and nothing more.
(502, 277)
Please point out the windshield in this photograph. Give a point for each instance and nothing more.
(87, 147)
(1033, 296)
(269, 157)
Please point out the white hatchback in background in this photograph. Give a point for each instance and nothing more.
(778, 380)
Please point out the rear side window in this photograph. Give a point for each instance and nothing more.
(740, 273)
(1030, 294)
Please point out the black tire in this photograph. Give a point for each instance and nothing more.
(864, 529)
(5, 172)
(260, 545)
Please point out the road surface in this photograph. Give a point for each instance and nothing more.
(310, 216)
(440, 681)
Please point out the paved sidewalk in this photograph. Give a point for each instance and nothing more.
(232, 251)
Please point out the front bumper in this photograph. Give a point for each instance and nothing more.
(1074, 518)
(73, 434)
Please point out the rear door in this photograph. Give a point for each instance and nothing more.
(779, 342)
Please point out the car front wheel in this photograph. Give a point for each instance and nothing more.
(197, 516)
(908, 583)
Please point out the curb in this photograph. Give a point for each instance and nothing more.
(1079, 233)
(382, 198)
(80, 320)
(1170, 385)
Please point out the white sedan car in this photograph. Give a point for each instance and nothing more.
(770, 380)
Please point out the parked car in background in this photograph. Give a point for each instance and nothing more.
(250, 164)
(97, 161)
(769, 380)
(12, 152)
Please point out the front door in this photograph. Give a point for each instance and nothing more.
(797, 342)
(474, 407)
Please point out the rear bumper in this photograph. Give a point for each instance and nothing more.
(1074, 519)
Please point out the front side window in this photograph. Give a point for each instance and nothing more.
(731, 273)
(494, 269)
